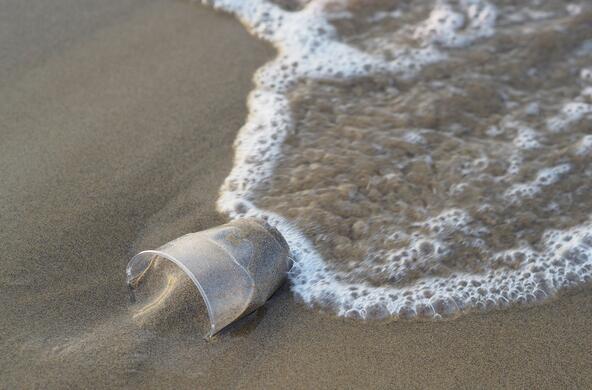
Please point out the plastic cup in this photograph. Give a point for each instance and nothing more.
(236, 267)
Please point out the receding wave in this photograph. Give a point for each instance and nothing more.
(421, 158)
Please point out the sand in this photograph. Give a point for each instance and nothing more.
(117, 125)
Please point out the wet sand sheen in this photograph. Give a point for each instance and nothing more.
(123, 135)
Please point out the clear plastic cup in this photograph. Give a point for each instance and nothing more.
(236, 267)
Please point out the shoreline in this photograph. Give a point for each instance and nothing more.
(120, 142)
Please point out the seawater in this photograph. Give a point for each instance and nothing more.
(422, 159)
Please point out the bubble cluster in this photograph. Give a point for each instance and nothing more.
(570, 113)
(545, 177)
(475, 19)
(422, 159)
(584, 146)
(527, 138)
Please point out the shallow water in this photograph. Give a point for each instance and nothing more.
(421, 159)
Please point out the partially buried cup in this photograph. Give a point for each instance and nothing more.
(236, 267)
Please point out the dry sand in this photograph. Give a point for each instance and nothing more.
(117, 121)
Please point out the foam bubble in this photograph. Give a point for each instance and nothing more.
(527, 138)
(544, 178)
(570, 113)
(475, 19)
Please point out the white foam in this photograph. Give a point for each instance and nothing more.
(544, 178)
(584, 146)
(574, 9)
(381, 15)
(527, 139)
(414, 137)
(475, 19)
(570, 113)
(309, 48)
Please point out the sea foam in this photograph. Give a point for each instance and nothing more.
(336, 172)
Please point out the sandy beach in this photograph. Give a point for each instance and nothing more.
(117, 122)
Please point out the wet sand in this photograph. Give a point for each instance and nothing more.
(117, 126)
